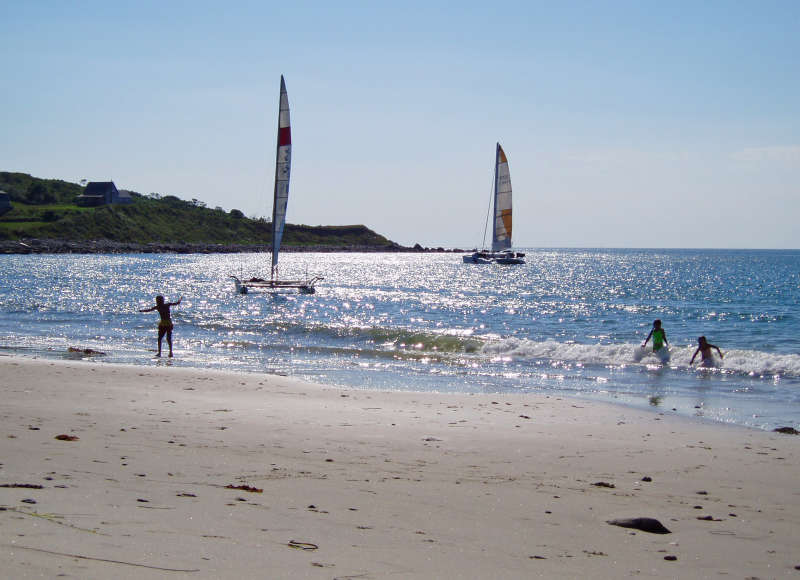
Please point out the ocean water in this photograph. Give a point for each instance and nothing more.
(568, 323)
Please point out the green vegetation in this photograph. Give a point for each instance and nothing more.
(45, 209)
(23, 188)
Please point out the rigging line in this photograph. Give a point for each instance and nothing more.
(489, 209)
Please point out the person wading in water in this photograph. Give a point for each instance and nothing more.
(165, 323)
(659, 337)
(704, 350)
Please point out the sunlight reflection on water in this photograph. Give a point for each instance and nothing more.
(430, 322)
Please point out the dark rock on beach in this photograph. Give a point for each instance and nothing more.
(604, 484)
(650, 525)
(787, 430)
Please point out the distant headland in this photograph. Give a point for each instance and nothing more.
(55, 216)
(105, 246)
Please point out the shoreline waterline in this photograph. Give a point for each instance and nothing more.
(630, 401)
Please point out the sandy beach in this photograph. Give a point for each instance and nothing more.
(161, 472)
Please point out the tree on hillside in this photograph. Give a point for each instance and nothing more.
(38, 194)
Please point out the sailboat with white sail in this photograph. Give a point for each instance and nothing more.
(283, 162)
(501, 252)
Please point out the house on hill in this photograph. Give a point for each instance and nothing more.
(5, 203)
(101, 193)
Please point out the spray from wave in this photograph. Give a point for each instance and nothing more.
(747, 362)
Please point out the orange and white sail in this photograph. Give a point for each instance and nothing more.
(283, 162)
(501, 232)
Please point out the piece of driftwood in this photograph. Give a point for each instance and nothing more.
(249, 488)
(24, 485)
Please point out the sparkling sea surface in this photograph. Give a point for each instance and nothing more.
(568, 323)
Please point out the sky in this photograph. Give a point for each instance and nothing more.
(625, 123)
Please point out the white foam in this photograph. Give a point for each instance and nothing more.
(749, 362)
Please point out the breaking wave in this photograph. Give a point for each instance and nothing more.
(748, 362)
(378, 338)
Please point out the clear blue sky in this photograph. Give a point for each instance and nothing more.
(626, 124)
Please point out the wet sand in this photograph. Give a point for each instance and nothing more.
(168, 473)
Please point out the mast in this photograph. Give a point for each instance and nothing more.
(283, 160)
(501, 232)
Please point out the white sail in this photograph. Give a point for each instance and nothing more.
(283, 161)
(501, 223)
(501, 232)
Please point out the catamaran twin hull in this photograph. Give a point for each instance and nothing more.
(478, 258)
(261, 285)
(495, 258)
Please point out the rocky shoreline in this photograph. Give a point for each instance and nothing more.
(48, 246)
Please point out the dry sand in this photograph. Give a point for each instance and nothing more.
(360, 484)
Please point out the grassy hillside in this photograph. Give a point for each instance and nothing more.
(46, 209)
(24, 188)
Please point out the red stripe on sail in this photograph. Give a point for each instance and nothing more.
(284, 136)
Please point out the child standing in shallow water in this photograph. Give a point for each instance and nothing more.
(165, 323)
(659, 337)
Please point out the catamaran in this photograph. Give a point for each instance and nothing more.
(283, 162)
(501, 230)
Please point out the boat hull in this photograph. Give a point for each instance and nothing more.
(509, 260)
(477, 258)
(261, 285)
(505, 258)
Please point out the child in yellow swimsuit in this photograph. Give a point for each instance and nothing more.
(165, 325)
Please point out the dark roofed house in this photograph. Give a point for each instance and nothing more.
(5, 203)
(101, 193)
